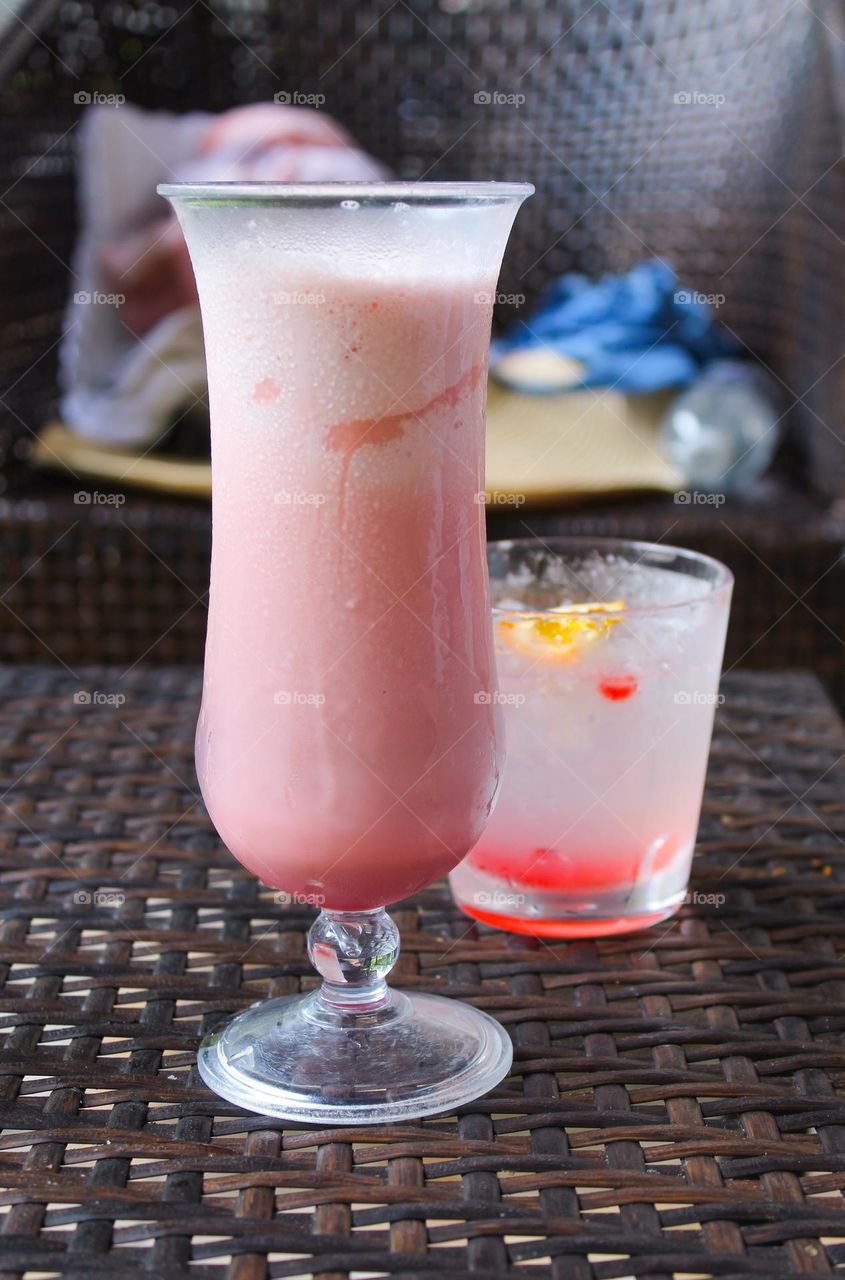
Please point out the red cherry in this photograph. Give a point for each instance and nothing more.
(617, 688)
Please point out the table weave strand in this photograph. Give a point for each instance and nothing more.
(676, 1103)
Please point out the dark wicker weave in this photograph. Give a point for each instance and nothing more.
(676, 1104)
(131, 583)
(746, 198)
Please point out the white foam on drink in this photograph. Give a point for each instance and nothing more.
(549, 583)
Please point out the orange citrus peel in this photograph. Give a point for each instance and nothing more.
(559, 634)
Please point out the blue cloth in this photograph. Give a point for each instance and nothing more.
(639, 332)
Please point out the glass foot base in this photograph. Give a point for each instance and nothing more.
(296, 1059)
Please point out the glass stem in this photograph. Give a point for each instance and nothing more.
(353, 951)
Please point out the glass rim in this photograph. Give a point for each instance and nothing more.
(334, 193)
(720, 582)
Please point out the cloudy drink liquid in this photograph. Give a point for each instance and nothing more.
(343, 751)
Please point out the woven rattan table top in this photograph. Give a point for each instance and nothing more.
(676, 1105)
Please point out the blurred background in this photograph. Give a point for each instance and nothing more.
(670, 345)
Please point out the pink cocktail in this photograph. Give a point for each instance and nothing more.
(342, 748)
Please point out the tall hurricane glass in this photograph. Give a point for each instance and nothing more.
(347, 741)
